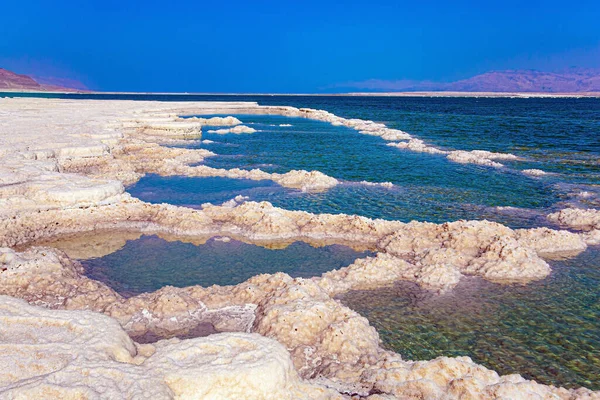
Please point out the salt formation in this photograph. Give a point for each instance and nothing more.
(534, 172)
(418, 146)
(63, 173)
(218, 121)
(237, 129)
(382, 184)
(480, 157)
(77, 354)
(587, 220)
(582, 219)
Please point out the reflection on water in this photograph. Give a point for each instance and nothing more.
(193, 192)
(148, 263)
(548, 331)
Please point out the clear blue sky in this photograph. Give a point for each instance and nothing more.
(290, 46)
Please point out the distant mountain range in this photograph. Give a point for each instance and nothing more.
(573, 80)
(11, 81)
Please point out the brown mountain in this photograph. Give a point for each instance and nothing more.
(60, 82)
(11, 81)
(569, 81)
(573, 80)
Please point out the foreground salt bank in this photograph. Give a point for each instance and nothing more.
(64, 164)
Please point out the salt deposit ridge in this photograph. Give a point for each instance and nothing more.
(64, 165)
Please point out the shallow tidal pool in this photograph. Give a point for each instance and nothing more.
(148, 263)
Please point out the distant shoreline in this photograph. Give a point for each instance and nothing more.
(352, 94)
(477, 94)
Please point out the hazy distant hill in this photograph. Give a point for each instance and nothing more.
(11, 81)
(569, 81)
(572, 80)
(576, 80)
(60, 82)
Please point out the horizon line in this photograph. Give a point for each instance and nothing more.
(345, 94)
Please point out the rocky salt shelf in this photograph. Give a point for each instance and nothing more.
(64, 165)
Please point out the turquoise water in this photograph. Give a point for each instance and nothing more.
(346, 154)
(149, 263)
(548, 330)
(397, 203)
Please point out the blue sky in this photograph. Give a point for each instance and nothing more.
(299, 46)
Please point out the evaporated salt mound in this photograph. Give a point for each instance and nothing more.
(236, 129)
(172, 125)
(178, 128)
(591, 237)
(480, 157)
(53, 189)
(234, 173)
(83, 151)
(383, 132)
(384, 270)
(459, 378)
(132, 159)
(576, 218)
(237, 200)
(295, 179)
(72, 193)
(534, 172)
(417, 145)
(77, 354)
(263, 221)
(218, 121)
(231, 366)
(307, 181)
(29, 275)
(548, 241)
(388, 185)
(481, 248)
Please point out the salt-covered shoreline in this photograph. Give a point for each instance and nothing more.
(64, 167)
